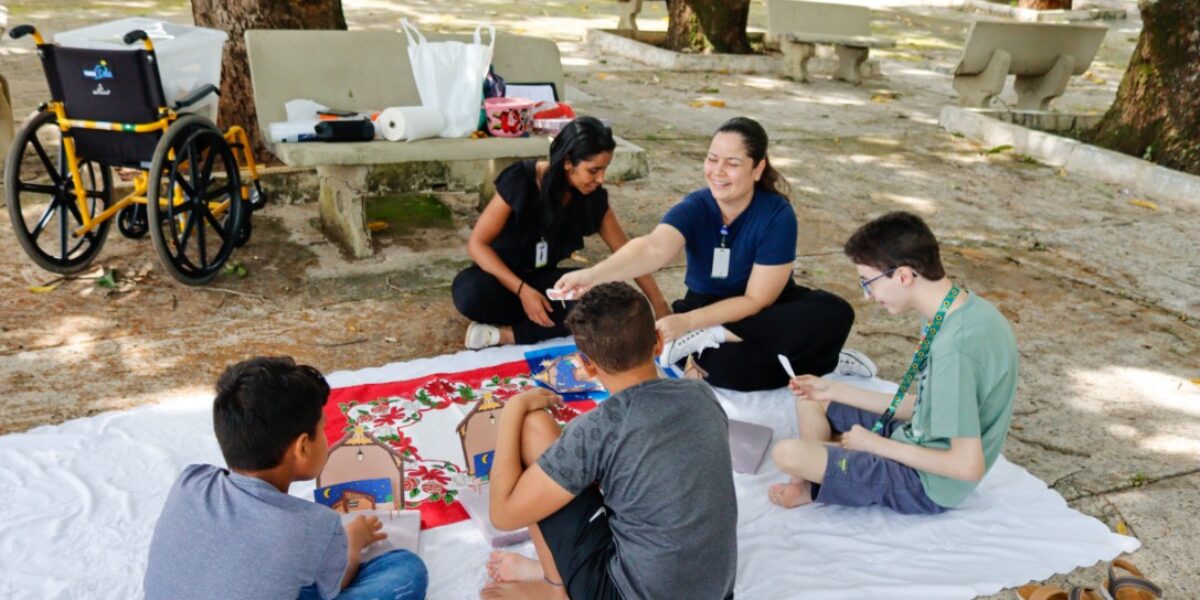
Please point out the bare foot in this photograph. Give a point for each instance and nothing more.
(790, 495)
(507, 337)
(523, 590)
(692, 370)
(510, 566)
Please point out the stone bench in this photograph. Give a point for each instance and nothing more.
(364, 70)
(1043, 56)
(799, 26)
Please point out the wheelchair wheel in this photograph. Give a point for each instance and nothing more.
(132, 223)
(194, 201)
(41, 199)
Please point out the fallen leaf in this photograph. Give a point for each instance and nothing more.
(109, 280)
(884, 97)
(1146, 204)
(696, 104)
(49, 287)
(1092, 77)
(377, 225)
(717, 103)
(999, 149)
(603, 76)
(1122, 528)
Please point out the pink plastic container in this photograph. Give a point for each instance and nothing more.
(508, 117)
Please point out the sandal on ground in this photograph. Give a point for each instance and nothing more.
(1134, 586)
(1036, 591)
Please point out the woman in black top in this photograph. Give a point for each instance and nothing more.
(539, 216)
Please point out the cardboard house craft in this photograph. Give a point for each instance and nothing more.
(358, 457)
(478, 434)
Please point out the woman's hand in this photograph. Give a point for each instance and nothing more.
(576, 283)
(662, 310)
(813, 388)
(673, 326)
(537, 306)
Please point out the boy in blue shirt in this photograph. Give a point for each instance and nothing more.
(923, 451)
(236, 533)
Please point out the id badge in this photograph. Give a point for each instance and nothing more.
(541, 254)
(720, 269)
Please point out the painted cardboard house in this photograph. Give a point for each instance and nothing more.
(359, 456)
(478, 434)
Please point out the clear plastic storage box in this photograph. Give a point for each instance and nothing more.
(188, 57)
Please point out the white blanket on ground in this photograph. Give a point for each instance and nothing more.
(78, 503)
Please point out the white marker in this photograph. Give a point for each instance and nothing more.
(557, 294)
(787, 366)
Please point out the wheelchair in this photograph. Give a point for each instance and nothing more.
(108, 110)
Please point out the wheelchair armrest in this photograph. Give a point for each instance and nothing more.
(197, 95)
(21, 31)
(136, 35)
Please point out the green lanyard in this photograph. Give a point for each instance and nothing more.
(917, 360)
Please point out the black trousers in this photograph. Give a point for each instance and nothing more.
(807, 326)
(481, 297)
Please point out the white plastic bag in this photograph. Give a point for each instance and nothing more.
(449, 77)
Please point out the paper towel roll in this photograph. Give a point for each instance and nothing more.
(410, 123)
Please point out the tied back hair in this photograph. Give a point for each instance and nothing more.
(754, 138)
(582, 139)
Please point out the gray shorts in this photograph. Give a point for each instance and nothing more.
(854, 478)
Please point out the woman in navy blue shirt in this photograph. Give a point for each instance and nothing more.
(539, 216)
(742, 307)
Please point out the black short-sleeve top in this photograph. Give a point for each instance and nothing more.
(517, 243)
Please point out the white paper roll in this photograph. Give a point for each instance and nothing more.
(409, 123)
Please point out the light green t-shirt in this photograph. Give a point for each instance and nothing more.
(966, 389)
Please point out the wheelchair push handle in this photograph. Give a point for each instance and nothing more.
(135, 36)
(21, 31)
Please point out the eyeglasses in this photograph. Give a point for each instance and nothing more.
(866, 283)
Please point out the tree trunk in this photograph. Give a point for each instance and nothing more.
(1155, 115)
(698, 24)
(683, 28)
(235, 17)
(724, 24)
(1046, 4)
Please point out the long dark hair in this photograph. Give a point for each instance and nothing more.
(754, 138)
(582, 139)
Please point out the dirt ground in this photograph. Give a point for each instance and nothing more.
(1103, 292)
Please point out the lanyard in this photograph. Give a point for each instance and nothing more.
(724, 234)
(917, 360)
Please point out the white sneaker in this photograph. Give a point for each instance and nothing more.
(480, 336)
(692, 342)
(853, 362)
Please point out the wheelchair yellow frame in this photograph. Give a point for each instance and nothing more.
(235, 136)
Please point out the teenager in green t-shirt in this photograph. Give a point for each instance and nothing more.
(951, 415)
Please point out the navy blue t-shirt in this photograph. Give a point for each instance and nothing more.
(764, 234)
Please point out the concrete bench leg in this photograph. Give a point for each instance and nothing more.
(343, 207)
(629, 11)
(795, 59)
(850, 61)
(1035, 93)
(977, 90)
